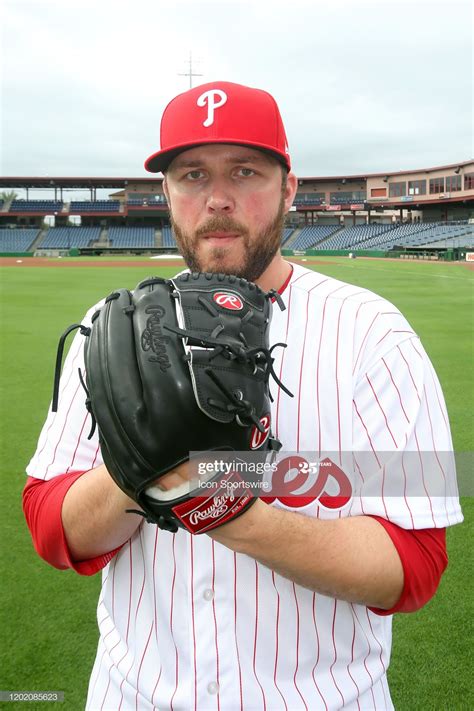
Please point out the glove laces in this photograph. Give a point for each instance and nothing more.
(59, 359)
(84, 331)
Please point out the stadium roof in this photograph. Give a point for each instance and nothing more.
(389, 173)
(76, 182)
(70, 182)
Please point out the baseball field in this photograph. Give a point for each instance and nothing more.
(48, 617)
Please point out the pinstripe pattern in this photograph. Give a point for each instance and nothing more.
(187, 624)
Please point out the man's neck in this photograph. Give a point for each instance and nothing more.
(275, 275)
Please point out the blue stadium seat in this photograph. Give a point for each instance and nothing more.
(418, 233)
(353, 237)
(311, 235)
(81, 206)
(67, 237)
(309, 199)
(287, 232)
(137, 237)
(17, 239)
(459, 234)
(168, 237)
(150, 201)
(49, 207)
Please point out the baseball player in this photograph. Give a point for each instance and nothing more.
(289, 606)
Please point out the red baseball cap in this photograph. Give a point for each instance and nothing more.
(220, 112)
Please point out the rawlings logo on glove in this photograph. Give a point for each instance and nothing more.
(228, 301)
(154, 339)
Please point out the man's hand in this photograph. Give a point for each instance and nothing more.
(174, 478)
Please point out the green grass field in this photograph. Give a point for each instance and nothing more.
(48, 617)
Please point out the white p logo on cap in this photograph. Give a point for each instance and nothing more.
(211, 98)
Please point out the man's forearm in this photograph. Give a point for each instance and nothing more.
(351, 558)
(94, 515)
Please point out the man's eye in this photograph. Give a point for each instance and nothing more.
(246, 172)
(194, 175)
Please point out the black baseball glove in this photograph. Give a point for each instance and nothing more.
(180, 366)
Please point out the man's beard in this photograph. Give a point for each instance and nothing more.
(258, 251)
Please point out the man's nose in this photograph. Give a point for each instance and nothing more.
(220, 198)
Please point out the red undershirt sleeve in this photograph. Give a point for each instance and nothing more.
(424, 558)
(422, 552)
(42, 505)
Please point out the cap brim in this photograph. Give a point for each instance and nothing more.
(159, 161)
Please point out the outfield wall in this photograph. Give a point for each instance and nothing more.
(16, 254)
(334, 253)
(428, 254)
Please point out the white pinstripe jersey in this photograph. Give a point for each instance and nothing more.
(186, 623)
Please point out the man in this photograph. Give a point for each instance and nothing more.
(288, 606)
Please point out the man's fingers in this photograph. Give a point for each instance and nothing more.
(175, 477)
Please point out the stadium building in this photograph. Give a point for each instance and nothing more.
(426, 213)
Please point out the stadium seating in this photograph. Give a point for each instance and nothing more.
(419, 233)
(287, 232)
(400, 234)
(67, 237)
(312, 234)
(309, 199)
(168, 237)
(151, 201)
(446, 231)
(352, 236)
(463, 240)
(49, 207)
(17, 239)
(347, 198)
(137, 237)
(378, 236)
(94, 206)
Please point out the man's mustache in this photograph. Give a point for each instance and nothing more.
(220, 224)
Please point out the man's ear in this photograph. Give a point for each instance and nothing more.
(290, 190)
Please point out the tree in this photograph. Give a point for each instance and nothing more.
(7, 196)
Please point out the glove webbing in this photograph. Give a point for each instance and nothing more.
(232, 351)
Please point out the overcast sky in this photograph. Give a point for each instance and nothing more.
(362, 86)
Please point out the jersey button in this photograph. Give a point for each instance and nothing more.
(213, 688)
(208, 595)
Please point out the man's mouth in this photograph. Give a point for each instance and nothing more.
(220, 237)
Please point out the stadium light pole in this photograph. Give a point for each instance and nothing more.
(190, 73)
